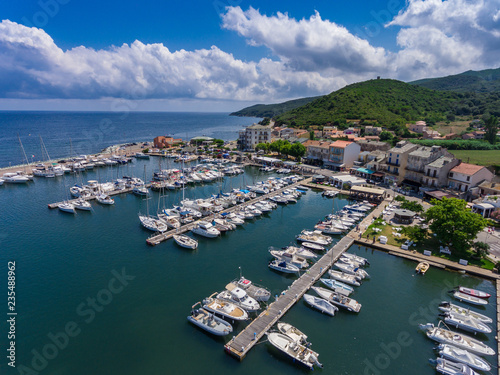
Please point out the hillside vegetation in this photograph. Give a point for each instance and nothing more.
(272, 110)
(470, 81)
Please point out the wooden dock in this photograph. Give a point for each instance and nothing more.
(498, 323)
(159, 238)
(241, 344)
(110, 193)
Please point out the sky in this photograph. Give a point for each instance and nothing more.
(223, 55)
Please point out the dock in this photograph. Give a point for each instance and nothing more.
(498, 322)
(110, 193)
(244, 342)
(159, 238)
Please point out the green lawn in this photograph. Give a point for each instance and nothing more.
(430, 243)
(480, 157)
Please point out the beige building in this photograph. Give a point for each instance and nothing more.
(373, 130)
(317, 150)
(396, 162)
(418, 127)
(436, 173)
(253, 135)
(465, 176)
(417, 165)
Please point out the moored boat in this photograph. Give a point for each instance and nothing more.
(473, 292)
(465, 323)
(259, 293)
(67, 207)
(321, 304)
(82, 204)
(463, 311)
(294, 350)
(185, 241)
(337, 286)
(239, 297)
(447, 367)
(463, 356)
(313, 246)
(209, 322)
(422, 268)
(292, 332)
(470, 299)
(344, 277)
(282, 266)
(338, 299)
(352, 270)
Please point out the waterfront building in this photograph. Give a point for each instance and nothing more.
(253, 135)
(317, 151)
(465, 176)
(166, 142)
(436, 173)
(417, 170)
(342, 155)
(397, 161)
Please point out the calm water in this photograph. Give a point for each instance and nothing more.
(91, 132)
(64, 260)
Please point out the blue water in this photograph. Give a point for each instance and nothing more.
(90, 132)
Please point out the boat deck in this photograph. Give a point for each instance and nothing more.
(244, 342)
(159, 238)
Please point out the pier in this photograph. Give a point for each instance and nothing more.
(159, 238)
(244, 342)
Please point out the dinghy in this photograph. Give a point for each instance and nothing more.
(463, 311)
(473, 292)
(470, 299)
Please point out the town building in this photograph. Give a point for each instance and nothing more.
(165, 142)
(436, 173)
(254, 134)
(373, 130)
(431, 134)
(397, 161)
(417, 166)
(317, 151)
(368, 145)
(418, 127)
(342, 155)
(465, 176)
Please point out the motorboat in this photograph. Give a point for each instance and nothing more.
(292, 332)
(337, 286)
(222, 226)
(1, 181)
(422, 268)
(445, 336)
(209, 322)
(470, 299)
(330, 193)
(473, 292)
(185, 241)
(329, 229)
(234, 219)
(292, 250)
(140, 190)
(321, 304)
(205, 229)
(283, 266)
(465, 323)
(15, 178)
(447, 367)
(298, 352)
(104, 199)
(344, 277)
(455, 354)
(141, 155)
(172, 222)
(313, 246)
(316, 238)
(349, 261)
(259, 293)
(239, 297)
(224, 308)
(357, 258)
(338, 299)
(290, 258)
(464, 311)
(352, 270)
(67, 207)
(82, 204)
(152, 224)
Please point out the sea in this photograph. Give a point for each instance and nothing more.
(91, 297)
(64, 134)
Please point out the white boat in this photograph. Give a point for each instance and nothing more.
(316, 238)
(185, 241)
(172, 222)
(463, 356)
(352, 270)
(473, 292)
(356, 258)
(104, 199)
(282, 266)
(338, 299)
(259, 293)
(294, 350)
(209, 322)
(67, 207)
(292, 250)
(344, 277)
(205, 229)
(1, 181)
(224, 308)
(462, 297)
(141, 155)
(464, 311)
(447, 367)
(239, 297)
(82, 204)
(292, 332)
(465, 323)
(153, 224)
(445, 336)
(349, 261)
(329, 229)
(337, 286)
(15, 178)
(140, 190)
(321, 304)
(290, 258)
(313, 246)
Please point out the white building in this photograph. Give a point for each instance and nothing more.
(343, 154)
(253, 135)
(465, 176)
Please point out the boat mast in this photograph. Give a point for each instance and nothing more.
(24, 153)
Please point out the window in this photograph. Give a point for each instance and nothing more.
(451, 174)
(468, 178)
(434, 174)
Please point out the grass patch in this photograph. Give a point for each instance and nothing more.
(453, 127)
(430, 243)
(480, 157)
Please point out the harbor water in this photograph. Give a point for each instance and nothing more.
(93, 298)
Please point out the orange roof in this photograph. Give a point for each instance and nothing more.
(468, 169)
(316, 143)
(340, 144)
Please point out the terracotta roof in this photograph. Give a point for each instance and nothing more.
(340, 144)
(316, 144)
(468, 169)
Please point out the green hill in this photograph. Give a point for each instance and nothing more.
(470, 81)
(272, 110)
(383, 101)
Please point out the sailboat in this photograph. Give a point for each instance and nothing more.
(150, 222)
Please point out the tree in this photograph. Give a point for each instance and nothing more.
(454, 223)
(415, 233)
(412, 206)
(481, 248)
(285, 149)
(385, 136)
(218, 142)
(298, 150)
(311, 135)
(262, 146)
(491, 127)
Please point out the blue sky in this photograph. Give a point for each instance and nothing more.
(226, 54)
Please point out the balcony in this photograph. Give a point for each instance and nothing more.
(394, 163)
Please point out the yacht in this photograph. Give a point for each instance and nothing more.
(455, 354)
(464, 312)
(239, 297)
(259, 293)
(338, 299)
(205, 229)
(224, 308)
(282, 266)
(67, 207)
(447, 367)
(140, 190)
(292, 332)
(295, 350)
(104, 199)
(82, 204)
(185, 241)
(152, 224)
(15, 178)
